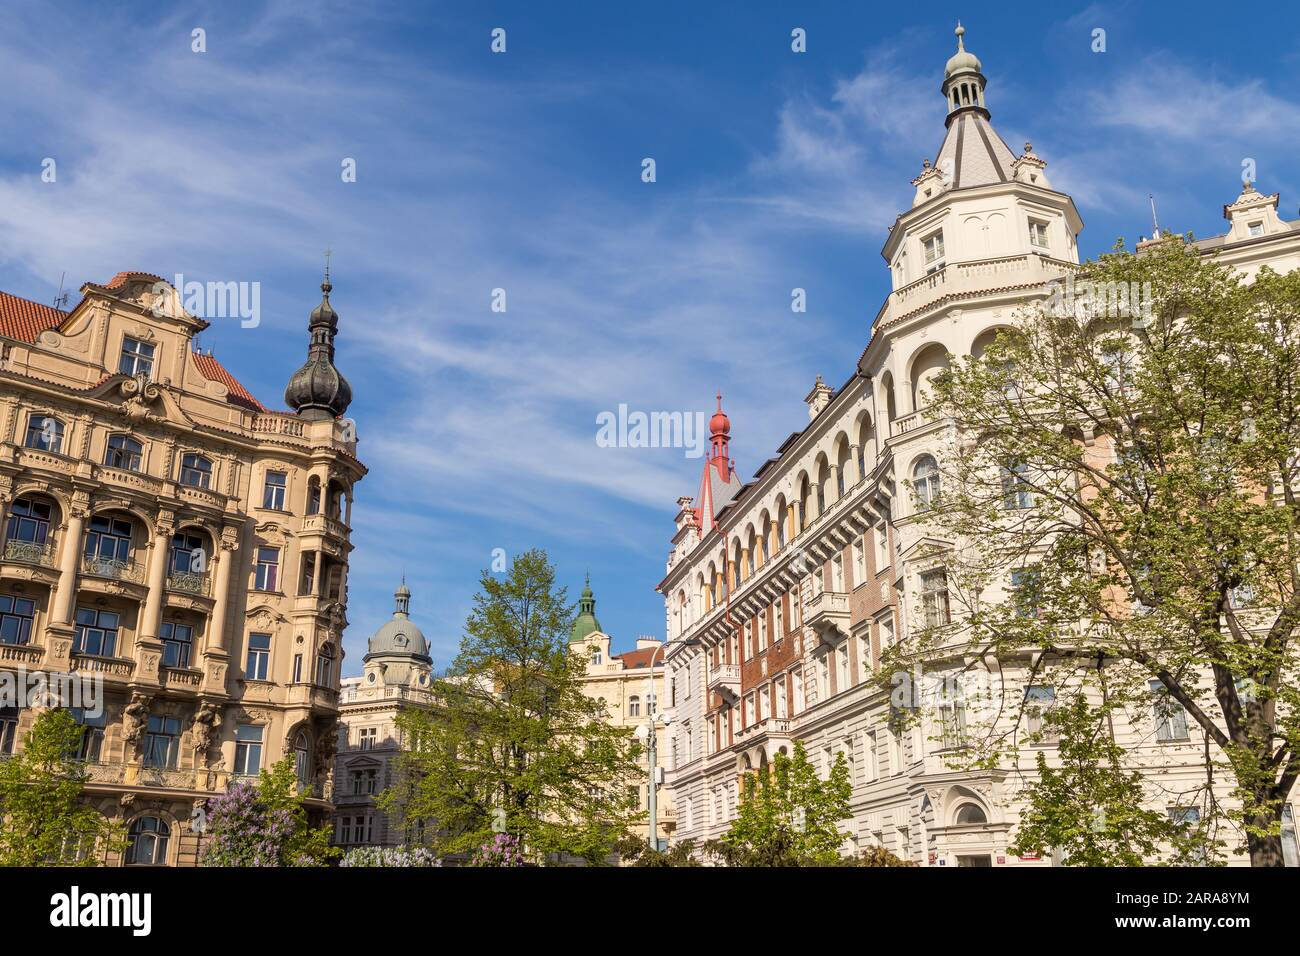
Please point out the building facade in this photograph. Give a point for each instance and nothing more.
(782, 592)
(168, 535)
(631, 686)
(397, 676)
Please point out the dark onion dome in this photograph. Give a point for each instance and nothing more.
(318, 390)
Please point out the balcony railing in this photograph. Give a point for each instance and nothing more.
(30, 552)
(725, 678)
(827, 614)
(278, 425)
(768, 726)
(24, 653)
(186, 582)
(112, 568)
(112, 666)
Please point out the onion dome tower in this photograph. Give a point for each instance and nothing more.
(318, 390)
(585, 624)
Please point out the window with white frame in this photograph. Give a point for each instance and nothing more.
(137, 358)
(932, 245)
(859, 561)
(1038, 233)
(1017, 495)
(796, 690)
(925, 480)
(935, 608)
(1039, 702)
(842, 679)
(248, 749)
(782, 707)
(1170, 717)
(882, 548)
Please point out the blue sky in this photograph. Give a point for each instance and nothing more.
(522, 171)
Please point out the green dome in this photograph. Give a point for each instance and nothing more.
(586, 623)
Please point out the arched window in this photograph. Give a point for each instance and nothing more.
(313, 495)
(124, 452)
(968, 814)
(325, 666)
(925, 479)
(148, 842)
(634, 706)
(1016, 491)
(302, 758)
(188, 554)
(29, 522)
(196, 471)
(45, 432)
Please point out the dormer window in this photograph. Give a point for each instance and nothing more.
(933, 247)
(1038, 233)
(1256, 228)
(137, 358)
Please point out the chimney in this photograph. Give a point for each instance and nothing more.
(818, 398)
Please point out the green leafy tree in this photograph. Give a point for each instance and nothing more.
(1134, 462)
(266, 825)
(635, 850)
(788, 815)
(514, 744)
(1089, 810)
(43, 819)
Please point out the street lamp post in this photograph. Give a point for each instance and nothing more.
(651, 738)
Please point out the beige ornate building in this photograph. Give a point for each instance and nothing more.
(782, 592)
(631, 685)
(396, 678)
(166, 533)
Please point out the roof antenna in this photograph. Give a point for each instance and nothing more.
(61, 300)
(1154, 223)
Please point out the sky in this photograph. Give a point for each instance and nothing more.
(522, 171)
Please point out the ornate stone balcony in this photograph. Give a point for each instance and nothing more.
(725, 679)
(182, 678)
(108, 666)
(113, 569)
(827, 614)
(30, 552)
(959, 280)
(763, 729)
(278, 425)
(22, 653)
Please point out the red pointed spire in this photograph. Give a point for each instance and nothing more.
(720, 429)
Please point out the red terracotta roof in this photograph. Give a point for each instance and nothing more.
(638, 658)
(216, 372)
(121, 278)
(25, 320)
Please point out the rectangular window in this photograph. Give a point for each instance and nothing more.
(1171, 719)
(137, 358)
(871, 765)
(364, 781)
(8, 728)
(267, 573)
(765, 702)
(842, 681)
(1256, 228)
(782, 708)
(369, 736)
(44, 433)
(859, 562)
(864, 653)
(162, 742)
(248, 749)
(325, 669)
(837, 573)
(96, 632)
(882, 548)
(273, 492)
(16, 617)
(933, 246)
(1024, 591)
(952, 723)
(1039, 701)
(796, 690)
(177, 641)
(92, 734)
(934, 598)
(762, 630)
(1038, 233)
(1017, 494)
(887, 636)
(259, 657)
(297, 668)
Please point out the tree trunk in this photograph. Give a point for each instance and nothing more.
(1264, 850)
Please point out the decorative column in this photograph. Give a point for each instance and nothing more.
(215, 652)
(73, 531)
(157, 580)
(855, 456)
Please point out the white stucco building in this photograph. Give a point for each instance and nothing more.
(782, 592)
